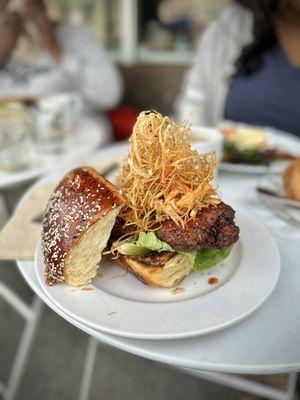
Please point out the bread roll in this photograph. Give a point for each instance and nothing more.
(291, 178)
(157, 269)
(76, 226)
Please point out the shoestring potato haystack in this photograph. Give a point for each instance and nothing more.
(162, 177)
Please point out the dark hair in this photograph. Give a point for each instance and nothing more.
(264, 36)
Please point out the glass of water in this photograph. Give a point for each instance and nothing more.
(55, 122)
(17, 148)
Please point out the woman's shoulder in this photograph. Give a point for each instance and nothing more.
(223, 39)
(234, 9)
(234, 21)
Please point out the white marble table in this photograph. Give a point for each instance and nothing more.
(266, 342)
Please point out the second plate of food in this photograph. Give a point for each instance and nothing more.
(285, 146)
(204, 302)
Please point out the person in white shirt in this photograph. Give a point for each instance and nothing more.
(206, 84)
(39, 58)
(247, 68)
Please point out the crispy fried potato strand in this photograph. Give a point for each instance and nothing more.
(162, 177)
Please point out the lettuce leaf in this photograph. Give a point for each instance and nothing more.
(131, 249)
(191, 256)
(207, 258)
(146, 243)
(151, 242)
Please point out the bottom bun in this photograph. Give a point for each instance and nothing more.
(157, 269)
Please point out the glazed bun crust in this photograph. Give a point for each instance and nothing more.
(82, 199)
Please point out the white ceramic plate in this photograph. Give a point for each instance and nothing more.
(284, 141)
(78, 147)
(121, 305)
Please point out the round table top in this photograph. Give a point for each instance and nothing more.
(266, 342)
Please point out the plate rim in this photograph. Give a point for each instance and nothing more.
(180, 335)
(247, 168)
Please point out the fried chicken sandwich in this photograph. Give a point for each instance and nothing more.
(173, 221)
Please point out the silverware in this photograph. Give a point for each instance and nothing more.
(279, 197)
(37, 219)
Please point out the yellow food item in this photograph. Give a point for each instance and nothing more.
(248, 139)
(162, 177)
(291, 179)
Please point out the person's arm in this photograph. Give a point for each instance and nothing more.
(34, 11)
(84, 61)
(9, 34)
(192, 103)
(204, 90)
(89, 68)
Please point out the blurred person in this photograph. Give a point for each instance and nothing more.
(247, 68)
(40, 58)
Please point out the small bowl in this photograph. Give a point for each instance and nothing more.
(204, 140)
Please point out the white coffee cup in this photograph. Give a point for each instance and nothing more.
(204, 140)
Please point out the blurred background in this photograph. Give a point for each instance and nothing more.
(153, 42)
(104, 60)
(74, 75)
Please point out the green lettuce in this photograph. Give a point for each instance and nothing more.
(131, 249)
(151, 242)
(207, 258)
(191, 256)
(147, 242)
